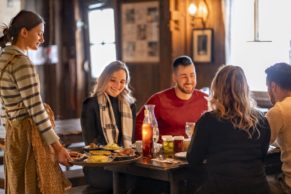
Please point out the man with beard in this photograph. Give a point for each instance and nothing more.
(179, 104)
(279, 116)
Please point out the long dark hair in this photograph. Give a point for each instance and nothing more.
(24, 19)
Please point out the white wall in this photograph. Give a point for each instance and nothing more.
(8, 9)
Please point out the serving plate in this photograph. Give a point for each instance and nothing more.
(113, 162)
(114, 147)
(109, 147)
(100, 152)
(125, 157)
(88, 148)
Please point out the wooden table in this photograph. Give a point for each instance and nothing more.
(172, 173)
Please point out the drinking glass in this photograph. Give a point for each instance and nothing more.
(189, 129)
(156, 134)
(186, 144)
(153, 121)
(178, 143)
(168, 144)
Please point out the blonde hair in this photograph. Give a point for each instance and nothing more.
(230, 99)
(105, 76)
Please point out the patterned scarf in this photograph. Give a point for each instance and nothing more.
(108, 122)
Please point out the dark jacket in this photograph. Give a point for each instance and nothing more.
(90, 121)
(92, 132)
(234, 161)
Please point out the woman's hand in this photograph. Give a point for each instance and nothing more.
(62, 154)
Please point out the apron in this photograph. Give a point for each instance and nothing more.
(30, 165)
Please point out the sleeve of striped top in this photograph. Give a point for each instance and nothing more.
(3, 115)
(27, 82)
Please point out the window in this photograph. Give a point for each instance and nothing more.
(274, 25)
(102, 39)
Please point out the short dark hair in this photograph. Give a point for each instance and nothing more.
(280, 73)
(182, 60)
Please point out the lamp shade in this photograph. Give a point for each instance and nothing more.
(192, 9)
(202, 10)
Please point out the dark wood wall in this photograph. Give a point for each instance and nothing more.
(67, 83)
(64, 84)
(148, 78)
(181, 32)
(175, 40)
(207, 71)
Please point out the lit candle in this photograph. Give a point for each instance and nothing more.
(147, 139)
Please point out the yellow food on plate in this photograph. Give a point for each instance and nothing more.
(112, 146)
(76, 155)
(98, 159)
(125, 152)
(92, 145)
(100, 152)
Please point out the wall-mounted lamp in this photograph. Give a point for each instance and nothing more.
(200, 13)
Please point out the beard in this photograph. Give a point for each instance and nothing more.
(185, 90)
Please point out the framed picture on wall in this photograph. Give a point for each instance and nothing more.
(202, 45)
(140, 32)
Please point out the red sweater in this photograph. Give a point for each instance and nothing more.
(172, 113)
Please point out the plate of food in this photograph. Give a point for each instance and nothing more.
(92, 146)
(92, 158)
(100, 152)
(98, 158)
(124, 154)
(77, 156)
(111, 147)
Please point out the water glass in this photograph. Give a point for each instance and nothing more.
(186, 144)
(138, 146)
(189, 129)
(156, 134)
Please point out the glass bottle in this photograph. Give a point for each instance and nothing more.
(147, 135)
(154, 122)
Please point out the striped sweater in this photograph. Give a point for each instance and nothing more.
(20, 92)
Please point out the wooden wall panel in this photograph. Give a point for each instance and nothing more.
(181, 33)
(63, 85)
(71, 81)
(48, 84)
(206, 71)
(148, 78)
(144, 81)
